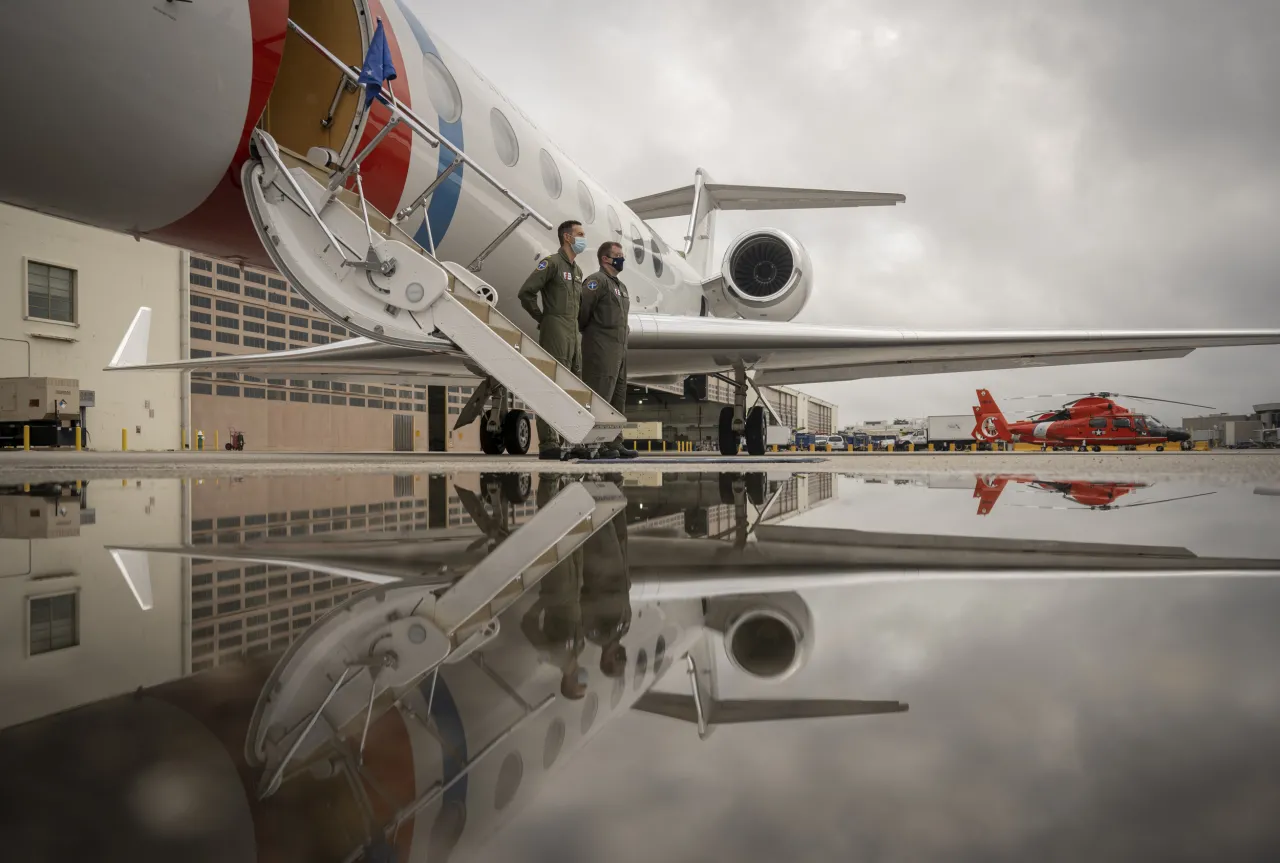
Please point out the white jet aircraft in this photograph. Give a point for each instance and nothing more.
(237, 128)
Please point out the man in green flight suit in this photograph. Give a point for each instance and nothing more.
(558, 281)
(602, 317)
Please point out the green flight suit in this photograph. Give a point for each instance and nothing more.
(606, 583)
(602, 317)
(559, 283)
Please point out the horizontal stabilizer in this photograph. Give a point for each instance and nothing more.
(679, 202)
(761, 710)
(133, 347)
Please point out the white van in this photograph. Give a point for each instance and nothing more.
(835, 441)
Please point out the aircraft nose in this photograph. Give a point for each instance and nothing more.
(1178, 435)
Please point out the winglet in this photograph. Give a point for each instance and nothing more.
(133, 347)
(136, 569)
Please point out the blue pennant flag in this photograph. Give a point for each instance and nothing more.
(377, 66)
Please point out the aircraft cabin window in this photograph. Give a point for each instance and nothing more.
(637, 244)
(442, 89)
(550, 174)
(642, 668)
(587, 203)
(1097, 422)
(1120, 423)
(509, 776)
(555, 740)
(657, 258)
(504, 138)
(615, 224)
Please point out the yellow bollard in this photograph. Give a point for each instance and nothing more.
(215, 440)
(124, 440)
(79, 439)
(26, 437)
(184, 437)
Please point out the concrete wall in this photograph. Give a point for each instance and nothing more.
(114, 276)
(121, 646)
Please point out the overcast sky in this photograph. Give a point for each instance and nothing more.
(1083, 165)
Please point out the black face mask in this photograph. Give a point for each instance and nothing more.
(617, 263)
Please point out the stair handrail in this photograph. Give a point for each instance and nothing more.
(414, 122)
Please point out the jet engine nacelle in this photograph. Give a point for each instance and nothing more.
(768, 635)
(766, 275)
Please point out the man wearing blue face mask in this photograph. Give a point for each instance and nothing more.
(558, 281)
(602, 317)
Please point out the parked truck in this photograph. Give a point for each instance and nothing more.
(943, 432)
(48, 408)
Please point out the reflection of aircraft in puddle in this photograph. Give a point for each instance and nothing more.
(1099, 496)
(410, 722)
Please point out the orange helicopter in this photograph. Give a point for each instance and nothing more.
(1095, 496)
(1090, 421)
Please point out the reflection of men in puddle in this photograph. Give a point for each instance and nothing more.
(554, 623)
(606, 593)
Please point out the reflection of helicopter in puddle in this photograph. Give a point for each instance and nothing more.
(1088, 495)
(409, 723)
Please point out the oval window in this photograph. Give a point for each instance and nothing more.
(657, 258)
(587, 203)
(509, 776)
(550, 174)
(642, 668)
(504, 138)
(659, 654)
(619, 686)
(615, 224)
(555, 740)
(442, 89)
(637, 244)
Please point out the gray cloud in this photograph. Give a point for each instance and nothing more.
(1086, 165)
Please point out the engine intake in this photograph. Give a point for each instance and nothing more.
(768, 636)
(766, 275)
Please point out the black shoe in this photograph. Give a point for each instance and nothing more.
(608, 451)
(581, 451)
(551, 454)
(624, 452)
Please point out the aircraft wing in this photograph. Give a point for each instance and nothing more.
(678, 202)
(790, 353)
(683, 707)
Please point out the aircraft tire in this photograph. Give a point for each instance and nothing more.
(490, 442)
(728, 437)
(1160, 448)
(757, 485)
(755, 431)
(1097, 449)
(516, 434)
(516, 487)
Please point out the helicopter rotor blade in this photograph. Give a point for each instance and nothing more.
(1165, 500)
(1166, 401)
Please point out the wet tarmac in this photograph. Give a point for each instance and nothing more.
(871, 661)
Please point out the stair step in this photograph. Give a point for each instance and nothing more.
(582, 397)
(547, 367)
(512, 337)
(479, 308)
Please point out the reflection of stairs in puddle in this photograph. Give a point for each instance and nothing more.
(362, 269)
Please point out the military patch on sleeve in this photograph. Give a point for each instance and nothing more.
(592, 285)
(542, 265)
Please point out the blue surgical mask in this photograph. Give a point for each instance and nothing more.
(617, 263)
(579, 245)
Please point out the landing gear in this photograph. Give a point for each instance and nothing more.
(516, 433)
(755, 430)
(491, 442)
(729, 436)
(1097, 448)
(1159, 447)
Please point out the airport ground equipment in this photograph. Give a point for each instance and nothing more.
(49, 408)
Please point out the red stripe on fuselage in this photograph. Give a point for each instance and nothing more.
(220, 225)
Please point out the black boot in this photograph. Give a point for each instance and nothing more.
(553, 453)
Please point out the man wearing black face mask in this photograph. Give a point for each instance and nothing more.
(602, 317)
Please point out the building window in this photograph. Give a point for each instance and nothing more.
(323, 326)
(229, 287)
(225, 306)
(320, 340)
(54, 623)
(356, 402)
(228, 338)
(229, 323)
(297, 321)
(359, 388)
(298, 397)
(224, 390)
(375, 403)
(199, 389)
(224, 270)
(199, 355)
(275, 317)
(254, 312)
(256, 278)
(339, 400)
(338, 331)
(319, 399)
(278, 332)
(254, 342)
(255, 393)
(201, 264)
(278, 284)
(51, 292)
(200, 333)
(422, 409)
(202, 281)
(275, 346)
(202, 317)
(406, 406)
(251, 327)
(299, 304)
(373, 391)
(338, 387)
(256, 293)
(202, 302)
(320, 385)
(275, 396)
(279, 299)
(298, 335)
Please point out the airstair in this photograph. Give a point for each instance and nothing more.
(361, 268)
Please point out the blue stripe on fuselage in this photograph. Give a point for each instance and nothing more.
(444, 200)
(448, 722)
